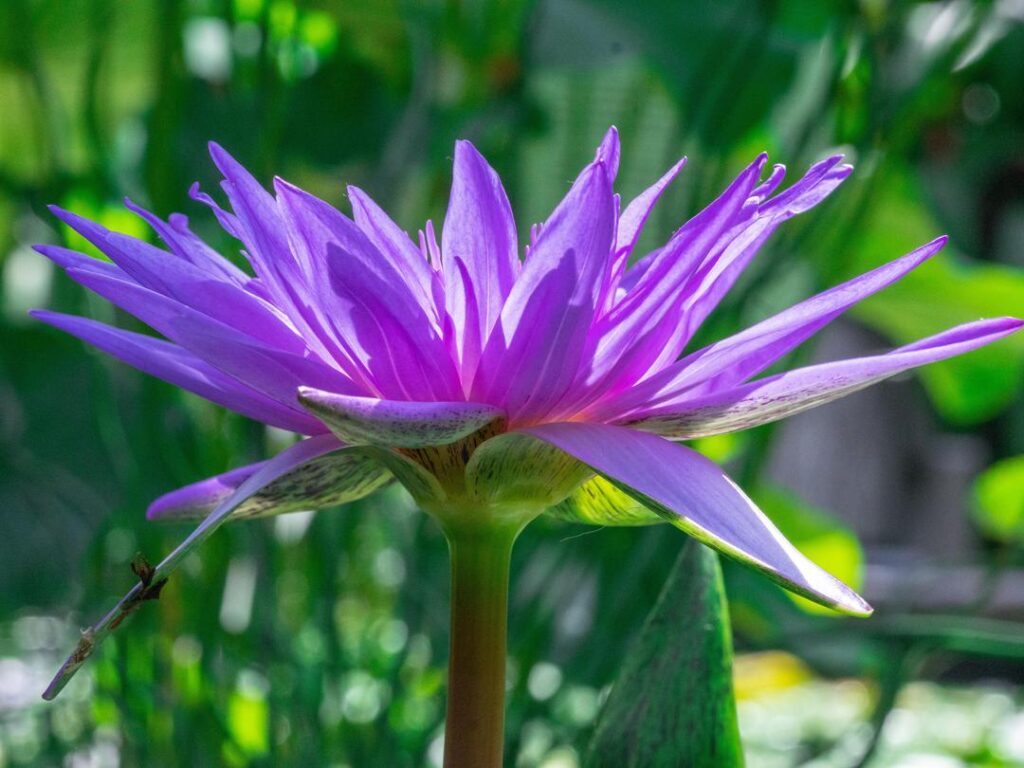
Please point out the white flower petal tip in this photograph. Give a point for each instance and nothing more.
(397, 423)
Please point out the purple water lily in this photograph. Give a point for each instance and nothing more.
(493, 387)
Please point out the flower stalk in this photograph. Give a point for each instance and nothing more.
(475, 717)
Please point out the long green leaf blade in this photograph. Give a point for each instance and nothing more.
(673, 702)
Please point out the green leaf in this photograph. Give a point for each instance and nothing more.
(673, 702)
(819, 536)
(999, 501)
(968, 389)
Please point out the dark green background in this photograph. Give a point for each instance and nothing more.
(341, 661)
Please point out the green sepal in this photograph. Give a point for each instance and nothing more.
(599, 502)
(518, 469)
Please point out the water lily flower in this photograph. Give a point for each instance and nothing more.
(494, 387)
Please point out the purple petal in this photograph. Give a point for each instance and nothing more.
(737, 248)
(388, 339)
(789, 393)
(695, 495)
(289, 464)
(291, 280)
(228, 221)
(276, 373)
(608, 152)
(735, 359)
(65, 258)
(212, 295)
(184, 243)
(819, 182)
(532, 356)
(480, 234)
(632, 336)
(632, 220)
(326, 481)
(770, 184)
(395, 245)
(397, 423)
(173, 364)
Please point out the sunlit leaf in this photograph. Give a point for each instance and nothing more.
(999, 500)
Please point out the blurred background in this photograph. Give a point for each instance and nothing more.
(322, 641)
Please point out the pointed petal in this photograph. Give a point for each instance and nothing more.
(290, 280)
(608, 152)
(227, 220)
(275, 372)
(289, 463)
(480, 233)
(387, 338)
(721, 270)
(184, 243)
(786, 394)
(704, 277)
(395, 245)
(183, 369)
(181, 280)
(735, 359)
(632, 337)
(532, 356)
(326, 481)
(695, 495)
(397, 423)
(632, 220)
(65, 258)
(261, 228)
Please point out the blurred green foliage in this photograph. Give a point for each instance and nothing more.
(321, 641)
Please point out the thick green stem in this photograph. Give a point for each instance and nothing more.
(474, 727)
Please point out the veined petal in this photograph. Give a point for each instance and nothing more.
(735, 359)
(397, 423)
(696, 495)
(289, 463)
(631, 337)
(277, 373)
(394, 244)
(786, 394)
(388, 339)
(326, 481)
(632, 220)
(479, 233)
(211, 294)
(532, 356)
(735, 250)
(183, 242)
(183, 369)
